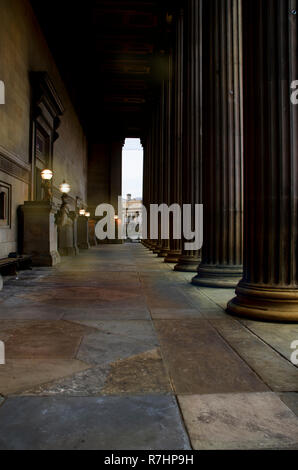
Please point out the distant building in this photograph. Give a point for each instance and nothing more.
(132, 216)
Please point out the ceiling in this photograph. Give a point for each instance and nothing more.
(112, 57)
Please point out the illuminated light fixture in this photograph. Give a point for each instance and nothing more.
(82, 212)
(46, 175)
(87, 214)
(116, 217)
(64, 188)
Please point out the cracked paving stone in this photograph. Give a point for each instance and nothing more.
(250, 421)
(18, 375)
(86, 383)
(144, 373)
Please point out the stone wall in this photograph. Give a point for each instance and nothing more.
(23, 49)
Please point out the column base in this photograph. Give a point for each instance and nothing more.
(46, 260)
(157, 249)
(262, 303)
(187, 265)
(173, 257)
(84, 246)
(164, 253)
(69, 251)
(218, 276)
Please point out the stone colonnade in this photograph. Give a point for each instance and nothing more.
(224, 133)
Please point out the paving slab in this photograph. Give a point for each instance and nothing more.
(278, 336)
(200, 361)
(102, 348)
(141, 374)
(278, 373)
(249, 421)
(102, 314)
(107, 423)
(138, 329)
(174, 313)
(31, 312)
(291, 400)
(44, 339)
(166, 297)
(18, 375)
(85, 383)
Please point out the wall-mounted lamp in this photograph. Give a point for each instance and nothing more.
(47, 176)
(82, 212)
(116, 217)
(87, 214)
(64, 188)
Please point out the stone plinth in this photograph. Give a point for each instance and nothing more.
(83, 233)
(40, 233)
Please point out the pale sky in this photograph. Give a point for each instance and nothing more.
(132, 168)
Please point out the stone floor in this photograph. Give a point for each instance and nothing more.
(114, 350)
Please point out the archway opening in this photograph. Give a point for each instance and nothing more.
(132, 187)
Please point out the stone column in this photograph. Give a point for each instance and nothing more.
(222, 145)
(153, 199)
(159, 159)
(269, 288)
(146, 146)
(167, 147)
(176, 151)
(191, 159)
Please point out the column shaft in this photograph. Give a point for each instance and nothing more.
(222, 145)
(269, 288)
(191, 159)
(177, 126)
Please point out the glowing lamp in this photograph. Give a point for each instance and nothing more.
(46, 175)
(87, 214)
(64, 188)
(82, 212)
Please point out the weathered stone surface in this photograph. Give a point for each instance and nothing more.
(250, 421)
(118, 347)
(166, 297)
(200, 361)
(85, 383)
(174, 313)
(18, 375)
(280, 337)
(108, 423)
(39, 340)
(273, 369)
(103, 314)
(103, 348)
(291, 400)
(32, 312)
(143, 373)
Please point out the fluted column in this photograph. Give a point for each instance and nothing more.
(160, 169)
(155, 186)
(191, 159)
(167, 147)
(177, 125)
(222, 145)
(269, 288)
